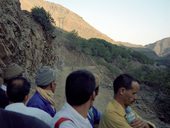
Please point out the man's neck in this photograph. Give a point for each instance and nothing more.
(10, 102)
(120, 102)
(82, 109)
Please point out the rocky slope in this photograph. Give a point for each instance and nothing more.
(22, 40)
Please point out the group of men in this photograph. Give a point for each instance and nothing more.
(81, 89)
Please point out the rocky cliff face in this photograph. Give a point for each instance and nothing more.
(161, 47)
(21, 38)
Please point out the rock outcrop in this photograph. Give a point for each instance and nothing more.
(22, 40)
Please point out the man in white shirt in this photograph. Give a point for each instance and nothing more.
(11, 71)
(80, 94)
(17, 90)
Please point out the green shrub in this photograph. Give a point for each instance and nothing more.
(152, 75)
(43, 17)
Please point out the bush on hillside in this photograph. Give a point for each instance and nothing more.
(152, 75)
(43, 17)
(101, 48)
(141, 57)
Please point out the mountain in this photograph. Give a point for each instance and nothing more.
(161, 47)
(69, 21)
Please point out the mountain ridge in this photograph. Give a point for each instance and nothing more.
(69, 21)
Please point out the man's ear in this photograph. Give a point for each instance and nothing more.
(93, 95)
(51, 85)
(122, 91)
(26, 98)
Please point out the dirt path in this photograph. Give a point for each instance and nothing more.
(101, 100)
(60, 89)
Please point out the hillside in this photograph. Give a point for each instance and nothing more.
(24, 41)
(148, 52)
(161, 47)
(69, 21)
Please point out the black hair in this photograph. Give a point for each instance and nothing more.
(80, 85)
(123, 80)
(7, 81)
(16, 92)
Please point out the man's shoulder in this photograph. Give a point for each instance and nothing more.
(36, 100)
(67, 124)
(115, 107)
(113, 119)
(113, 111)
(111, 107)
(66, 114)
(63, 124)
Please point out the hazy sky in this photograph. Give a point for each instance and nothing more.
(134, 21)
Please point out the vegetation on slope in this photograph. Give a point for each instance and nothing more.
(101, 48)
(45, 19)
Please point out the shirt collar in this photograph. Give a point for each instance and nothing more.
(78, 119)
(74, 111)
(118, 108)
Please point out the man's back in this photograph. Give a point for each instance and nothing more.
(37, 101)
(10, 119)
(74, 119)
(30, 111)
